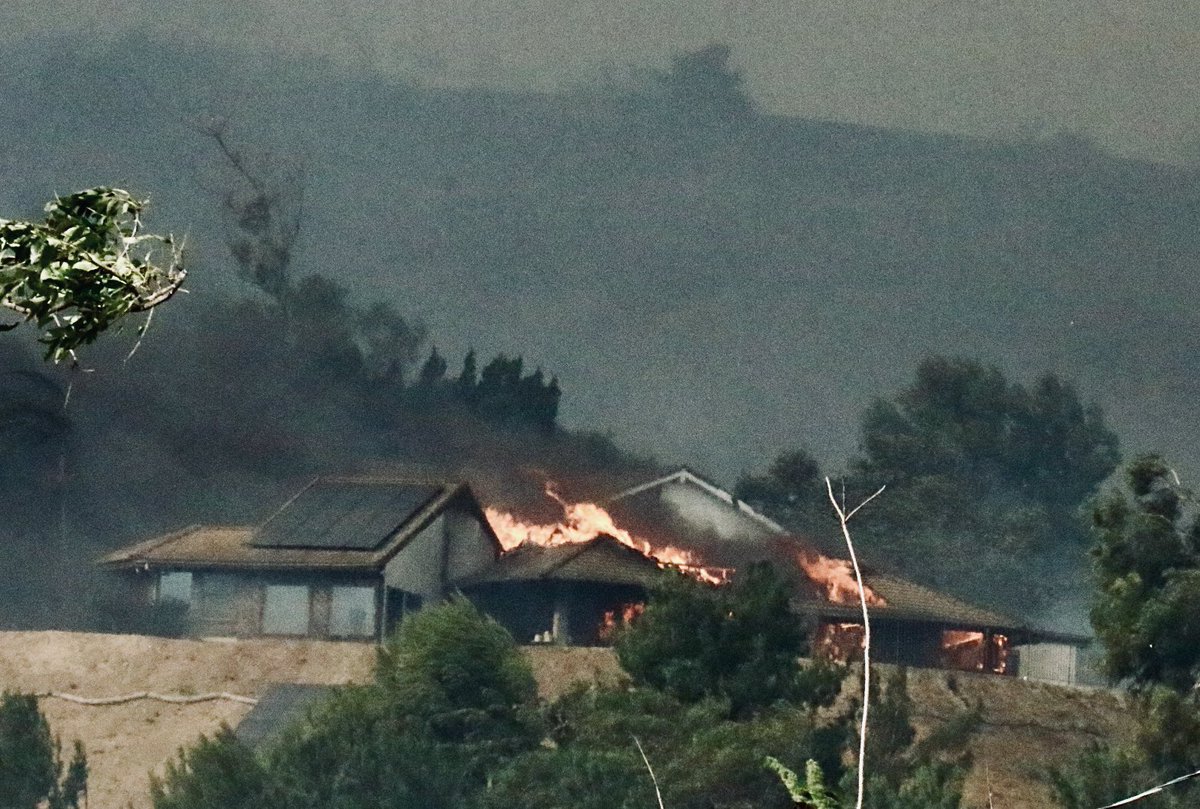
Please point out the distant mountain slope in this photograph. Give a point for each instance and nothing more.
(706, 292)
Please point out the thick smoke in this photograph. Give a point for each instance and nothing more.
(711, 282)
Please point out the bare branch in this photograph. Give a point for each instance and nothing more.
(1153, 790)
(657, 792)
(863, 503)
(843, 519)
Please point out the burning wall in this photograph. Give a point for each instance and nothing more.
(915, 644)
(918, 642)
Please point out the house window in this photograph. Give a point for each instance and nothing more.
(285, 610)
(175, 586)
(352, 612)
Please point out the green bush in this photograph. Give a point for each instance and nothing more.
(452, 703)
(215, 773)
(701, 756)
(32, 773)
(739, 643)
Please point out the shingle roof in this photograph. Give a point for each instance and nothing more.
(907, 600)
(229, 547)
(602, 560)
(234, 547)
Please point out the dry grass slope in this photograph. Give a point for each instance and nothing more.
(1027, 725)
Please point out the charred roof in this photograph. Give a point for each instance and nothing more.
(603, 560)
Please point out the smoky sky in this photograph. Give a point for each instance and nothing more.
(699, 304)
(1122, 73)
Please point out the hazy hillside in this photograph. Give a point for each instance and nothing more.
(707, 292)
(708, 288)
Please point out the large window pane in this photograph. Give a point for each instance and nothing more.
(352, 612)
(285, 610)
(175, 586)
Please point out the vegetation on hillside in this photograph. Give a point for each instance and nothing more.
(452, 722)
(1146, 555)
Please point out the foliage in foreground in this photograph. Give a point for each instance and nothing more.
(32, 772)
(740, 643)
(85, 268)
(1146, 554)
(1147, 562)
(451, 722)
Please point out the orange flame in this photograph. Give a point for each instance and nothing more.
(583, 522)
(615, 618)
(836, 577)
(972, 651)
(840, 642)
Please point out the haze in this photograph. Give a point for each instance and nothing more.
(1123, 73)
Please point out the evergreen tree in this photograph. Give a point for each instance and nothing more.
(433, 371)
(792, 492)
(986, 476)
(468, 377)
(31, 768)
(740, 643)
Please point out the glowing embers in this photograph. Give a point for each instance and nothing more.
(617, 618)
(836, 579)
(583, 522)
(974, 651)
(841, 642)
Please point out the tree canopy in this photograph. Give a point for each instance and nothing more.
(1147, 563)
(739, 643)
(85, 268)
(985, 475)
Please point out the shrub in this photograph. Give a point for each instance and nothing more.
(31, 767)
(740, 643)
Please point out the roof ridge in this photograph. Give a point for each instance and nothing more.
(686, 475)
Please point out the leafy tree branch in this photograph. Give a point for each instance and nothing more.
(85, 268)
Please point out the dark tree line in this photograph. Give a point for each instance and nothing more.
(986, 481)
(501, 393)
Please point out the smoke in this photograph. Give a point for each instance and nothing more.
(1109, 70)
(709, 287)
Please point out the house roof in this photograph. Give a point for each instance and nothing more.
(688, 477)
(339, 514)
(602, 560)
(907, 600)
(320, 519)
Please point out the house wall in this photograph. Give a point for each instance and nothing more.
(567, 613)
(1049, 662)
(453, 546)
(471, 548)
(917, 643)
(417, 567)
(232, 604)
(704, 511)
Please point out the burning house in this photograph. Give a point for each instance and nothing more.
(685, 522)
(346, 557)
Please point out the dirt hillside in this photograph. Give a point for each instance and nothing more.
(1027, 725)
